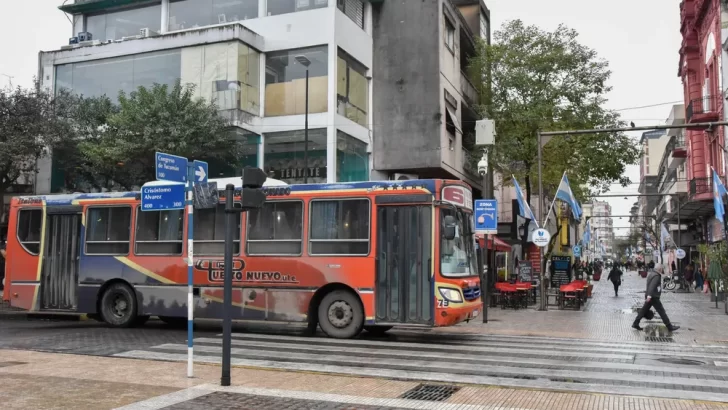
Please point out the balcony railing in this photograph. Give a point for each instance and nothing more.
(699, 186)
(468, 89)
(704, 105)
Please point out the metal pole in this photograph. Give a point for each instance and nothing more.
(486, 260)
(542, 285)
(190, 276)
(227, 305)
(679, 236)
(305, 137)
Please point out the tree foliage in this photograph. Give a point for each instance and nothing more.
(536, 80)
(114, 144)
(31, 120)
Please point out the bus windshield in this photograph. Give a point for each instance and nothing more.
(457, 256)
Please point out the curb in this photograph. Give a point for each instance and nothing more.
(59, 316)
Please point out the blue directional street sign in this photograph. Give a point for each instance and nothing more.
(486, 216)
(171, 167)
(577, 251)
(163, 197)
(200, 168)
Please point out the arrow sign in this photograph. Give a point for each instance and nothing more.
(200, 171)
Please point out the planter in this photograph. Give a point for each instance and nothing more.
(597, 276)
(643, 273)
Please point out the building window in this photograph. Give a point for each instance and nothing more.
(284, 155)
(199, 13)
(285, 82)
(29, 224)
(209, 232)
(112, 75)
(276, 7)
(449, 35)
(158, 232)
(354, 9)
(339, 227)
(113, 26)
(352, 160)
(107, 230)
(352, 89)
(227, 73)
(276, 229)
(483, 27)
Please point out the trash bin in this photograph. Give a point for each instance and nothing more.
(596, 277)
(643, 273)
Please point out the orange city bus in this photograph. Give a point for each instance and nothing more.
(347, 257)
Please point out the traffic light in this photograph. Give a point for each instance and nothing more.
(251, 195)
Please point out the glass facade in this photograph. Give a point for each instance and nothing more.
(276, 7)
(227, 73)
(125, 23)
(352, 89)
(283, 155)
(352, 159)
(198, 13)
(111, 75)
(285, 82)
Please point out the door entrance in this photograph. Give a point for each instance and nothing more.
(59, 277)
(404, 289)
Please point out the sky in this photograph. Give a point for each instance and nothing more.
(639, 38)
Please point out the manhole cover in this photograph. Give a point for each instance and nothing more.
(659, 339)
(430, 392)
(685, 362)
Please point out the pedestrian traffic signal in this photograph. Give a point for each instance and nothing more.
(251, 194)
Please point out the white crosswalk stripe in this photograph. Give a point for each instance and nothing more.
(665, 370)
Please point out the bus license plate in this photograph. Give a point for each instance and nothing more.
(475, 314)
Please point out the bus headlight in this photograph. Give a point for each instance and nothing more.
(452, 295)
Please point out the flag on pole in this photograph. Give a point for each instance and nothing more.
(587, 234)
(565, 194)
(665, 236)
(718, 192)
(526, 211)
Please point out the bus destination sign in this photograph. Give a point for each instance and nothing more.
(458, 196)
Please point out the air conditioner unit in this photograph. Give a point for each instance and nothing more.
(73, 40)
(404, 177)
(147, 32)
(85, 36)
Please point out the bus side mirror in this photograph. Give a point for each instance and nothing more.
(449, 228)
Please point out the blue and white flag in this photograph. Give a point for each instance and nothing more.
(718, 192)
(587, 234)
(665, 236)
(526, 211)
(565, 194)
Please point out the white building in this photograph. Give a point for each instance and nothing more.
(250, 57)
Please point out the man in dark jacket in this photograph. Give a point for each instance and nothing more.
(652, 298)
(615, 275)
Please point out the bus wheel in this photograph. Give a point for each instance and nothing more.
(377, 330)
(119, 306)
(341, 315)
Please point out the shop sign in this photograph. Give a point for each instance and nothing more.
(298, 173)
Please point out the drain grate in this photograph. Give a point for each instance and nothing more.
(659, 339)
(430, 392)
(686, 362)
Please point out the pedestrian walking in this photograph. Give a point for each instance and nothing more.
(652, 299)
(615, 275)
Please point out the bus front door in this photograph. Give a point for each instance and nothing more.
(59, 275)
(404, 287)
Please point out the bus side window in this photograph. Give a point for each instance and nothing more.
(108, 230)
(339, 227)
(276, 229)
(29, 225)
(209, 232)
(158, 232)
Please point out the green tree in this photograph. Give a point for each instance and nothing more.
(534, 80)
(31, 121)
(115, 143)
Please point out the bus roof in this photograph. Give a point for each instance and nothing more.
(68, 199)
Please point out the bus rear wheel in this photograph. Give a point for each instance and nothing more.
(341, 315)
(119, 306)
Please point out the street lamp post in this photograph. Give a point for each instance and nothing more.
(304, 61)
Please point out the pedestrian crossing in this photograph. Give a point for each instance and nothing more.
(666, 370)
